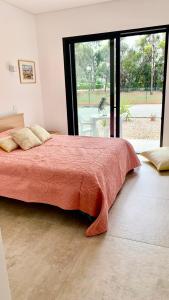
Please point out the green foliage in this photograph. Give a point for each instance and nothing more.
(99, 85)
(83, 86)
(125, 112)
(92, 64)
(103, 123)
(142, 63)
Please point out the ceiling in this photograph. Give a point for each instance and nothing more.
(42, 6)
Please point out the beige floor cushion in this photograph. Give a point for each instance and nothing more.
(25, 138)
(159, 158)
(8, 144)
(41, 133)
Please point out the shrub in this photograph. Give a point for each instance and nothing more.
(125, 112)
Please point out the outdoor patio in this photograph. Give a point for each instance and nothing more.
(142, 128)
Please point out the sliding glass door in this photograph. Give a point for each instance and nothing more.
(115, 85)
(92, 64)
(141, 89)
(90, 68)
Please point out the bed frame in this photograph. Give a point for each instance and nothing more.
(11, 121)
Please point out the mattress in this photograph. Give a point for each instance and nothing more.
(71, 172)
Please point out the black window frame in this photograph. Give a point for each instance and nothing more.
(70, 74)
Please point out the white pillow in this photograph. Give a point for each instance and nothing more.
(158, 157)
(8, 144)
(41, 133)
(25, 138)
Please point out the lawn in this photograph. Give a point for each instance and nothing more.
(93, 98)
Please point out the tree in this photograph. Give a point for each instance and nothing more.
(150, 47)
(142, 63)
(103, 70)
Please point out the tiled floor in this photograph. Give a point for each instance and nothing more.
(49, 258)
(141, 145)
(4, 285)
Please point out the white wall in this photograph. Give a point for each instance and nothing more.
(18, 40)
(117, 15)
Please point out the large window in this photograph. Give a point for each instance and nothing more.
(115, 84)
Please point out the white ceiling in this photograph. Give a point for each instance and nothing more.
(42, 6)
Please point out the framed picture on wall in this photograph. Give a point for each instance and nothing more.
(27, 71)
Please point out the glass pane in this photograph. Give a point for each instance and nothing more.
(92, 61)
(142, 75)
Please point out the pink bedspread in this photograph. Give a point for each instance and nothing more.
(74, 173)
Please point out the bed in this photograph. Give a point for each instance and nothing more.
(71, 172)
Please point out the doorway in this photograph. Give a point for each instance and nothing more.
(115, 85)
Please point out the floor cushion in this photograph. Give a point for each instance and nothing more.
(158, 157)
